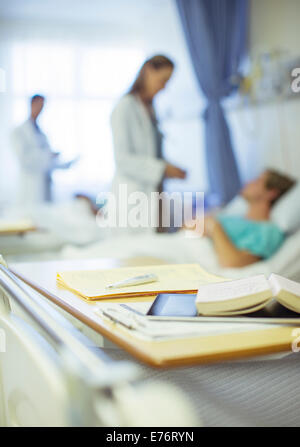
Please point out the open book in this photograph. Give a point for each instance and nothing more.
(247, 295)
(176, 278)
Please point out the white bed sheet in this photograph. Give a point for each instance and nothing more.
(60, 224)
(181, 249)
(72, 232)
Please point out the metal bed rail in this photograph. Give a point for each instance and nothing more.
(90, 373)
(102, 392)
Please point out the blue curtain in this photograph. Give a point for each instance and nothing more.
(215, 32)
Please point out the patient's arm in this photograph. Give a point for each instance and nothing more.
(93, 208)
(228, 254)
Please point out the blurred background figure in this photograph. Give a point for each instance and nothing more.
(85, 63)
(36, 159)
(137, 138)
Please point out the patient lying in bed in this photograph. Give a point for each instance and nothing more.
(232, 240)
(240, 241)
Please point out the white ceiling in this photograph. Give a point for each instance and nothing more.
(83, 11)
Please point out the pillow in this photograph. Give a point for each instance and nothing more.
(286, 212)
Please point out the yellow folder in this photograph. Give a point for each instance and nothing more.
(174, 278)
(16, 226)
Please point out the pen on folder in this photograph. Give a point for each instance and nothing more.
(117, 317)
(134, 281)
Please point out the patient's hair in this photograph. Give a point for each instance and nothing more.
(281, 182)
(36, 97)
(158, 61)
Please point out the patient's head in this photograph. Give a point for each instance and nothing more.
(37, 103)
(268, 187)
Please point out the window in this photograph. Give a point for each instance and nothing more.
(81, 84)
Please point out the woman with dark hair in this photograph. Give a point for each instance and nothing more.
(137, 139)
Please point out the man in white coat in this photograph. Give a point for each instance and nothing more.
(36, 158)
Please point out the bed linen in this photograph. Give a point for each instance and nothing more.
(261, 393)
(179, 248)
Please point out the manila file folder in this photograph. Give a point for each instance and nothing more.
(175, 278)
(16, 226)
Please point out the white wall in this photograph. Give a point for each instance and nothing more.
(263, 135)
(153, 26)
(30, 29)
(274, 24)
(269, 134)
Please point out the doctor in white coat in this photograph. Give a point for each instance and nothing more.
(137, 139)
(36, 158)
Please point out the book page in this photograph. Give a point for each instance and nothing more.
(227, 291)
(286, 291)
(279, 283)
(174, 277)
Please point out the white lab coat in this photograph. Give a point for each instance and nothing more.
(135, 147)
(35, 159)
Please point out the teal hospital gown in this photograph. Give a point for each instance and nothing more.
(261, 238)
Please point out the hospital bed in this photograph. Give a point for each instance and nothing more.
(262, 392)
(51, 375)
(69, 238)
(66, 371)
(57, 224)
(257, 393)
(182, 248)
(176, 248)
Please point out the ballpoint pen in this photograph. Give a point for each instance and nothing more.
(134, 281)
